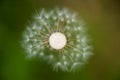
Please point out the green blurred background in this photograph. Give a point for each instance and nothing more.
(102, 18)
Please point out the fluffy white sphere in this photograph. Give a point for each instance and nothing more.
(59, 31)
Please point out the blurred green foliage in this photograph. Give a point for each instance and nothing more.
(102, 18)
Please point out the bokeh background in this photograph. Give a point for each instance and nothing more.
(102, 18)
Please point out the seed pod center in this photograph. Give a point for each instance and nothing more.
(57, 40)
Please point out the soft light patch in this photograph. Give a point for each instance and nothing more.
(57, 40)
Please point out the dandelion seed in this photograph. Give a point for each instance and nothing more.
(59, 38)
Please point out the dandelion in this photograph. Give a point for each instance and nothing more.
(59, 37)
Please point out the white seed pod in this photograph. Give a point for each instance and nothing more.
(58, 37)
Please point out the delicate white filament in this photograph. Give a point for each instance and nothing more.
(57, 40)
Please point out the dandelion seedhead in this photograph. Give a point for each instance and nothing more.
(59, 37)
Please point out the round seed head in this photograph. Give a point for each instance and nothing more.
(59, 31)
